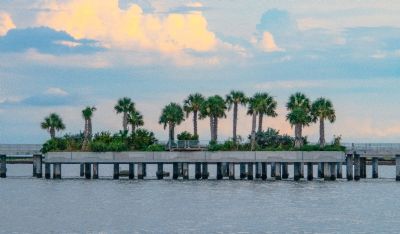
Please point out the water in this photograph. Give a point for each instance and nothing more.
(75, 205)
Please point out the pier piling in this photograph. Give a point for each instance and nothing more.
(397, 167)
(356, 167)
(231, 171)
(375, 168)
(273, 165)
(3, 166)
(219, 171)
(333, 170)
(185, 171)
(47, 170)
(160, 171)
(296, 171)
(285, 170)
(34, 166)
(310, 175)
(37, 162)
(88, 170)
(95, 170)
(116, 171)
(349, 166)
(204, 172)
(278, 167)
(197, 171)
(131, 173)
(327, 171)
(242, 170)
(320, 170)
(250, 171)
(175, 171)
(258, 170)
(302, 170)
(363, 168)
(264, 171)
(339, 170)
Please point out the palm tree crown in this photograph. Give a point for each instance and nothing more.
(53, 123)
(171, 115)
(264, 104)
(192, 105)
(299, 115)
(87, 114)
(135, 119)
(124, 105)
(214, 108)
(322, 109)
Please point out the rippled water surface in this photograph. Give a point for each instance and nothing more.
(75, 205)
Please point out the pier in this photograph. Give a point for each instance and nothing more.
(252, 164)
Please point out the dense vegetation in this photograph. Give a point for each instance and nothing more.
(301, 113)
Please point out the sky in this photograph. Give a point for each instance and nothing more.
(60, 56)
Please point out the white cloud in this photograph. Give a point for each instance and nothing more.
(6, 23)
(268, 44)
(54, 91)
(71, 44)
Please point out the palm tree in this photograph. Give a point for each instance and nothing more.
(299, 115)
(264, 105)
(87, 114)
(235, 98)
(322, 109)
(192, 105)
(124, 105)
(214, 108)
(53, 123)
(252, 111)
(171, 116)
(135, 119)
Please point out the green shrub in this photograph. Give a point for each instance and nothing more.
(56, 144)
(187, 136)
(141, 139)
(156, 147)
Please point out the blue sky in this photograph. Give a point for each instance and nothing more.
(60, 56)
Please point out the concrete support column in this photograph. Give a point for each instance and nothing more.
(219, 171)
(34, 165)
(231, 171)
(160, 171)
(175, 171)
(88, 171)
(82, 170)
(273, 165)
(204, 173)
(296, 171)
(321, 170)
(349, 166)
(333, 170)
(327, 171)
(264, 171)
(180, 165)
(375, 168)
(95, 170)
(278, 167)
(285, 170)
(131, 173)
(3, 166)
(250, 171)
(37, 160)
(57, 171)
(397, 167)
(302, 170)
(310, 172)
(185, 171)
(141, 170)
(363, 167)
(197, 171)
(225, 169)
(47, 170)
(339, 169)
(258, 170)
(357, 167)
(242, 170)
(116, 171)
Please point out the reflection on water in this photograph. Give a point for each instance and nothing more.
(78, 205)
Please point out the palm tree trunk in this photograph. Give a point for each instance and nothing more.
(85, 135)
(90, 129)
(52, 133)
(298, 142)
(260, 121)
(216, 128)
(125, 121)
(195, 123)
(133, 128)
(321, 133)
(212, 128)
(235, 118)
(253, 131)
